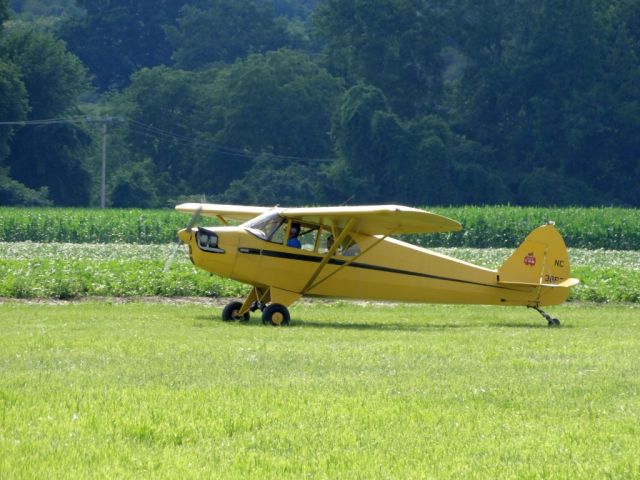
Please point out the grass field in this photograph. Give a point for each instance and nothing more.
(146, 390)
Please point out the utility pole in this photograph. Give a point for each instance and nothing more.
(103, 180)
(105, 121)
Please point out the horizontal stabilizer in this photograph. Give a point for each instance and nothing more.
(569, 282)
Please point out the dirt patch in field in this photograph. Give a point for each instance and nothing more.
(214, 302)
(120, 300)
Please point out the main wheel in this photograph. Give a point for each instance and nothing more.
(275, 314)
(230, 313)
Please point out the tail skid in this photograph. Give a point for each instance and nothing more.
(553, 322)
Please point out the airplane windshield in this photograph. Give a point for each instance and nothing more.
(267, 226)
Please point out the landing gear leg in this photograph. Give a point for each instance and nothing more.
(553, 322)
(271, 301)
(257, 306)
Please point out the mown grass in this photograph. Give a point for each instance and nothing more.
(347, 391)
(54, 270)
(497, 226)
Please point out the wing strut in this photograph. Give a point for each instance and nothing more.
(345, 264)
(329, 254)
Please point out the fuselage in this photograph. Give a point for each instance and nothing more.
(385, 269)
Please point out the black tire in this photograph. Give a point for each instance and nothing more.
(276, 315)
(554, 322)
(230, 313)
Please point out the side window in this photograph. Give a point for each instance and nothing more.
(349, 247)
(307, 238)
(326, 240)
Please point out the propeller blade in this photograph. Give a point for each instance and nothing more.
(172, 257)
(194, 218)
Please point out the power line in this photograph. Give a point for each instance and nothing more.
(151, 131)
(48, 121)
(154, 132)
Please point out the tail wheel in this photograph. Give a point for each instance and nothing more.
(276, 314)
(231, 313)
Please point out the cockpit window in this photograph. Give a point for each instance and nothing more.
(349, 247)
(272, 227)
(269, 227)
(307, 237)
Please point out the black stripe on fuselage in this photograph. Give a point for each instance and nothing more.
(366, 266)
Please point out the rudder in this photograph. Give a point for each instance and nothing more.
(541, 259)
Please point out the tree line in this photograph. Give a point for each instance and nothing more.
(421, 102)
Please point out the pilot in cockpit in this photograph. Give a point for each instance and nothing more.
(294, 231)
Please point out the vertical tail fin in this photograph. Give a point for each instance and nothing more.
(541, 260)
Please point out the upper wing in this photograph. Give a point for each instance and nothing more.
(376, 219)
(223, 212)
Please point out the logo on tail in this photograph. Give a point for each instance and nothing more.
(530, 259)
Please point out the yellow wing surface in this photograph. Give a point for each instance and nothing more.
(368, 220)
(375, 219)
(225, 213)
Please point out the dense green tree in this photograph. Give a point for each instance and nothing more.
(165, 113)
(222, 31)
(535, 188)
(133, 186)
(48, 155)
(52, 156)
(353, 130)
(14, 103)
(394, 45)
(430, 175)
(4, 12)
(53, 77)
(450, 101)
(203, 130)
(390, 159)
(115, 38)
(478, 185)
(536, 92)
(294, 8)
(13, 192)
(274, 181)
(280, 103)
(607, 122)
(35, 9)
(14, 106)
(420, 162)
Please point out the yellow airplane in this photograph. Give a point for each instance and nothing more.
(348, 252)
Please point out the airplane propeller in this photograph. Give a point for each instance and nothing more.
(172, 257)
